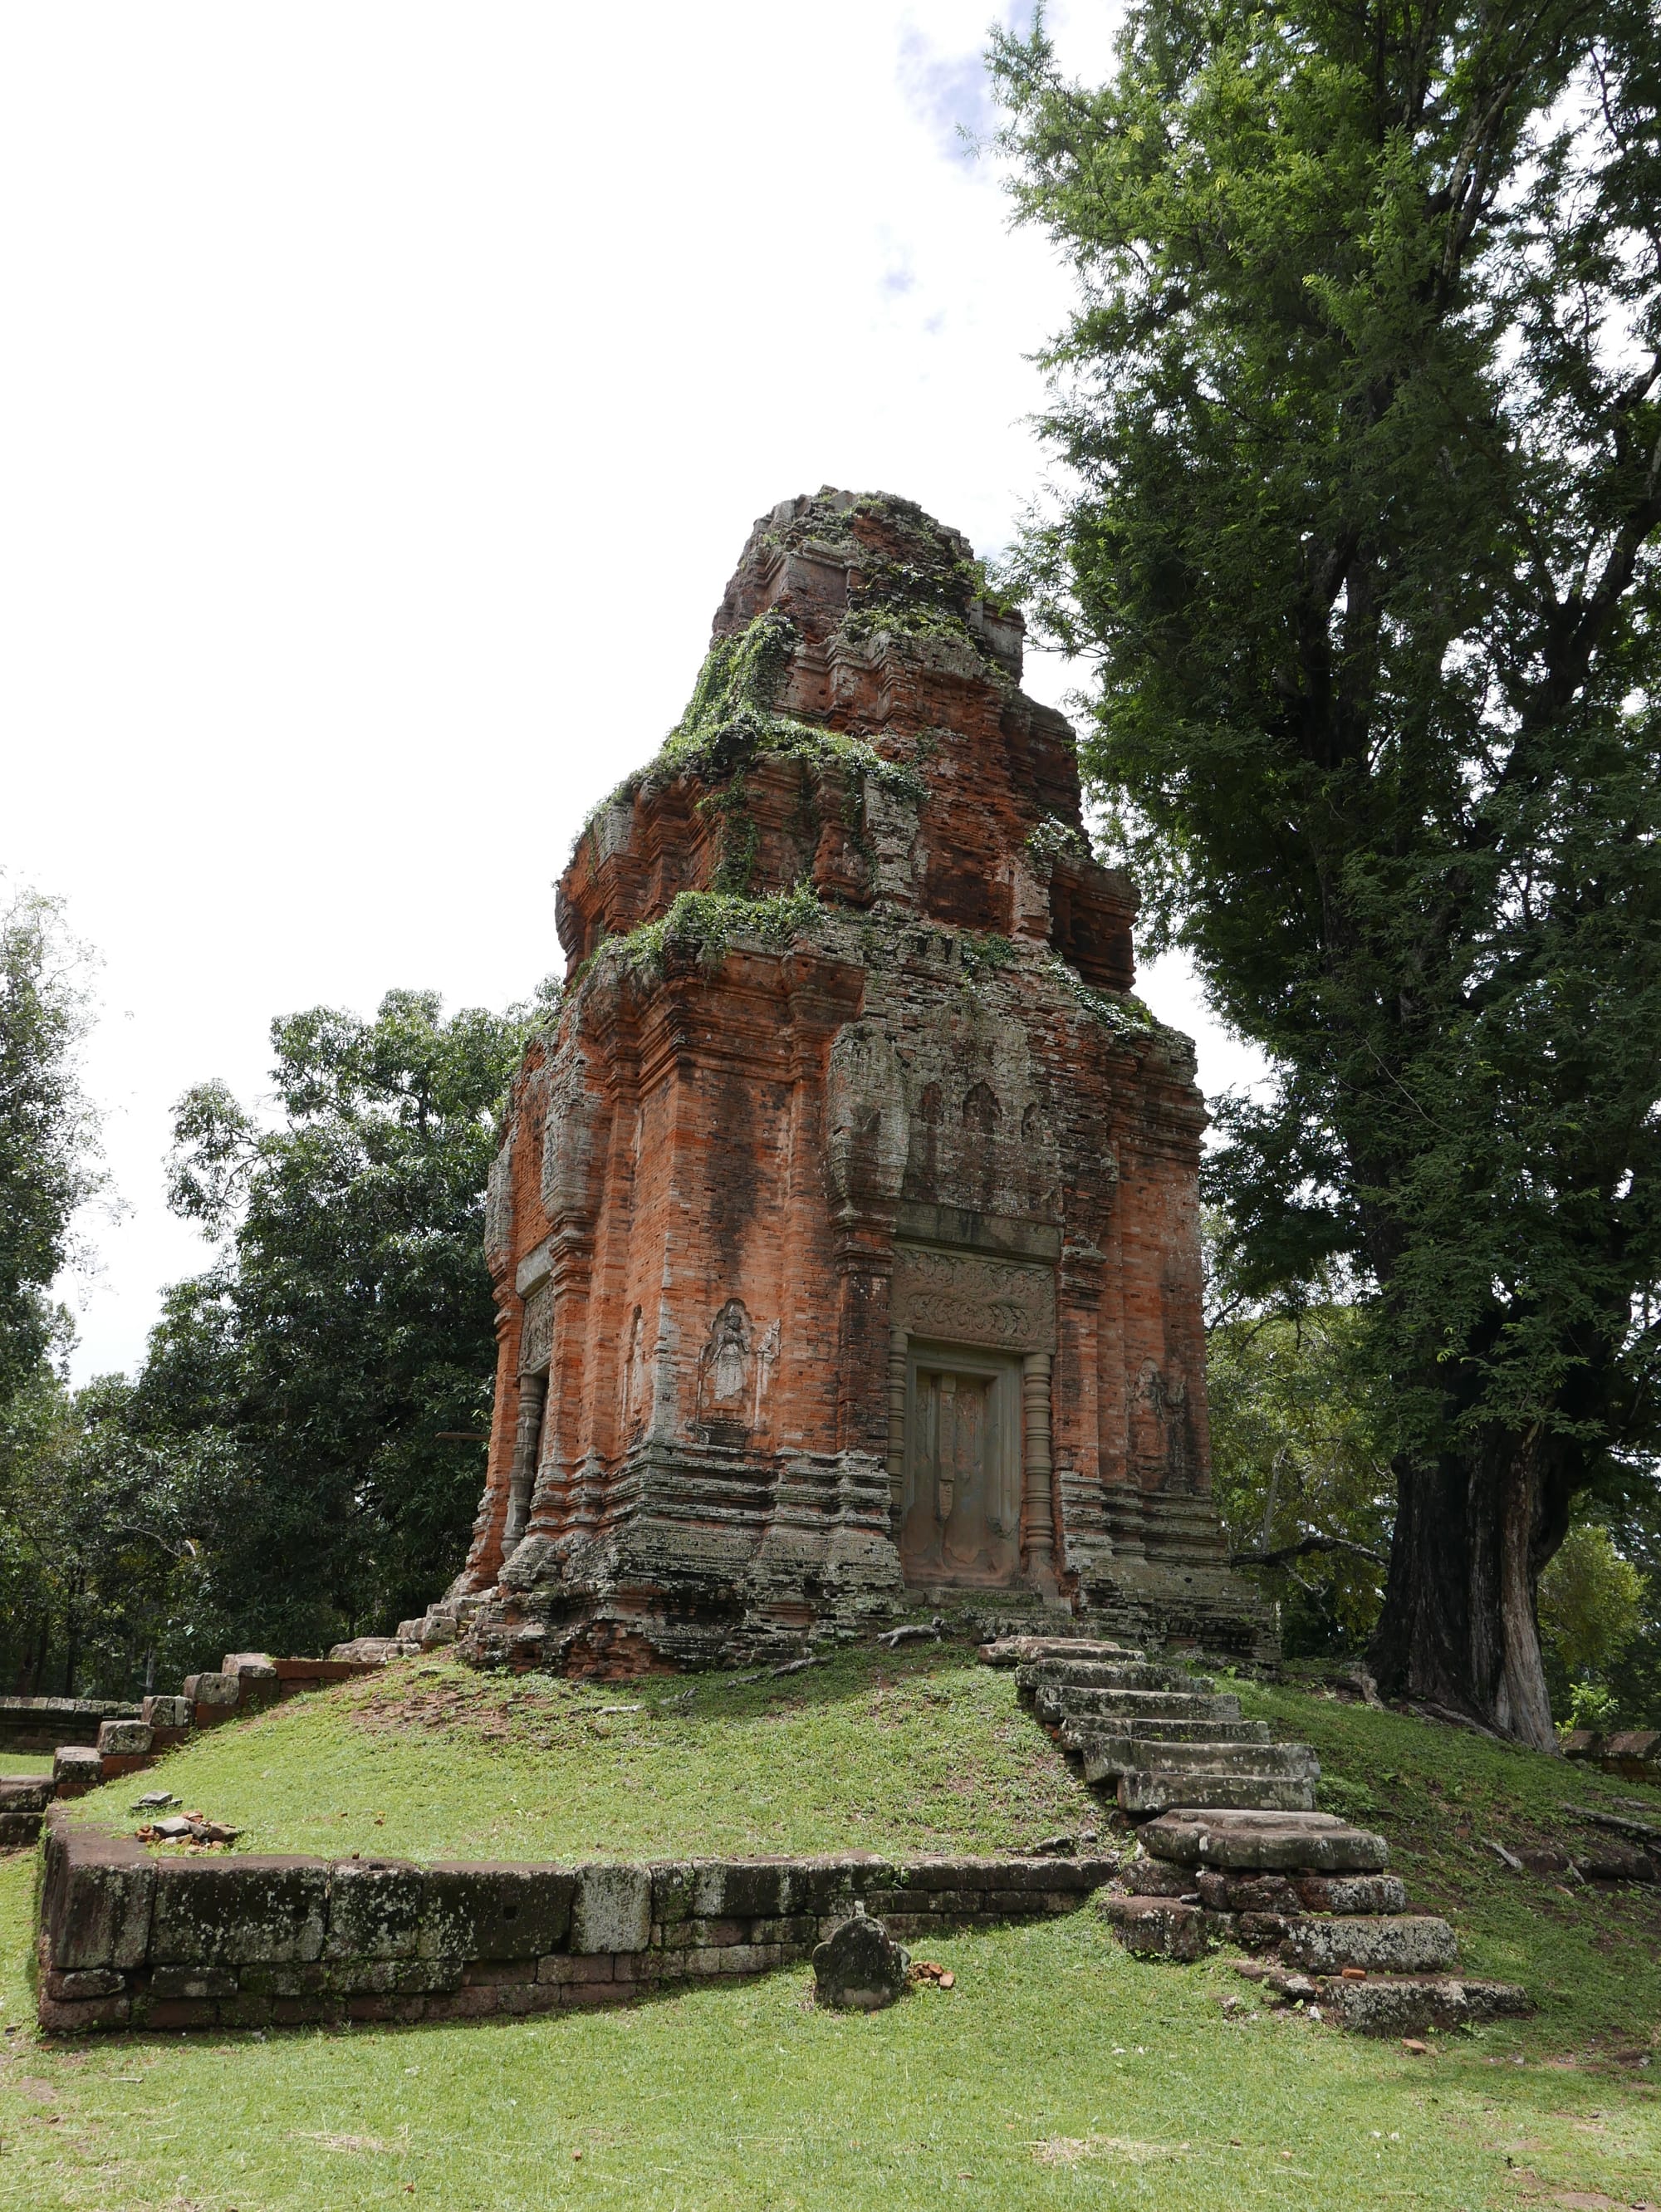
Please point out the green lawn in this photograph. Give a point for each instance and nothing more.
(24, 1762)
(1058, 2072)
(920, 1750)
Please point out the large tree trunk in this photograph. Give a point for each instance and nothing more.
(1458, 1627)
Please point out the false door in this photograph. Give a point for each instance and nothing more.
(962, 1515)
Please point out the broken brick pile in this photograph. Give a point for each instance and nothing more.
(129, 1938)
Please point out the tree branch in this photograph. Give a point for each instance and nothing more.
(1283, 1553)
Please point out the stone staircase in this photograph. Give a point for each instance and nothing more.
(1234, 1850)
(1157, 1735)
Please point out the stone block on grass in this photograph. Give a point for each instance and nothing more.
(1401, 1943)
(611, 1909)
(76, 1768)
(124, 1739)
(216, 1688)
(495, 1911)
(97, 1898)
(1156, 1927)
(859, 1967)
(375, 1908)
(245, 1908)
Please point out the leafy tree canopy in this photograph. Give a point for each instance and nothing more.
(48, 1150)
(1358, 416)
(343, 1349)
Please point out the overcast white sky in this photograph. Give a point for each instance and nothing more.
(387, 394)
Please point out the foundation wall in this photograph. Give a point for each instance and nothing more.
(132, 1940)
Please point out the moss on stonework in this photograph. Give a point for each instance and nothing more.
(702, 925)
(729, 723)
(983, 953)
(1121, 1012)
(1052, 837)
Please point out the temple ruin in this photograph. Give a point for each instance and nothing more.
(844, 1232)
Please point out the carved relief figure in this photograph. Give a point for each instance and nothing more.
(981, 1110)
(1158, 1421)
(536, 1331)
(725, 1365)
(767, 1353)
(633, 1377)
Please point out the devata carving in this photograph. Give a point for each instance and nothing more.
(846, 1233)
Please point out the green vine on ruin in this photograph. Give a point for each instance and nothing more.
(1121, 1012)
(731, 721)
(701, 926)
(1052, 837)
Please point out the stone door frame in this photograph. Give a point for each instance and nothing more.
(969, 1284)
(1003, 1369)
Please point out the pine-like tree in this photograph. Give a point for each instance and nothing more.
(1358, 416)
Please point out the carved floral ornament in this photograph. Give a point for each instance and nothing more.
(537, 1330)
(963, 1298)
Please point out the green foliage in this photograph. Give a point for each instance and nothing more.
(1121, 1012)
(701, 926)
(730, 722)
(1052, 837)
(328, 1361)
(1300, 1455)
(1593, 1706)
(100, 1563)
(1359, 406)
(48, 1144)
(1592, 1601)
(983, 953)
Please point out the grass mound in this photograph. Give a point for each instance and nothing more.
(1059, 2070)
(919, 1750)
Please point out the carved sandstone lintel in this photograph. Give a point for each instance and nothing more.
(536, 1331)
(962, 1298)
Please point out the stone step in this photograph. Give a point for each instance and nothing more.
(1155, 1927)
(1111, 1675)
(1100, 1748)
(1408, 2004)
(1289, 1895)
(1063, 1700)
(1243, 1840)
(1394, 1943)
(1153, 1790)
(25, 1792)
(1094, 1729)
(1029, 1650)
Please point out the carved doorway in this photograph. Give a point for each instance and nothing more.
(960, 1504)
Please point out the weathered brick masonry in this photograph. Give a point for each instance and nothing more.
(131, 1939)
(845, 1233)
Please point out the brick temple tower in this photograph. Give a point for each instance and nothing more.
(844, 1231)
